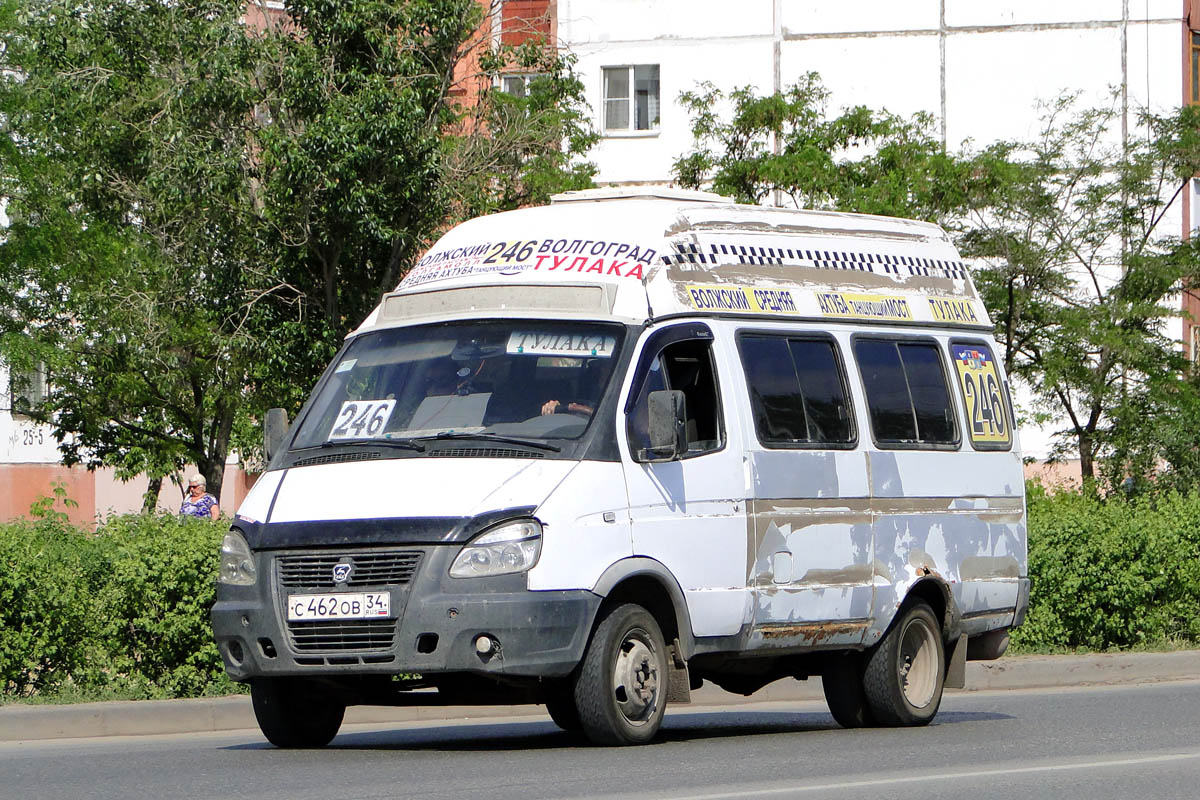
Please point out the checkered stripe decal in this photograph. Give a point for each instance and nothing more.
(880, 263)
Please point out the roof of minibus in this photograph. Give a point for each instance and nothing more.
(646, 254)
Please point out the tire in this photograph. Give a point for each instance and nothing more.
(560, 705)
(843, 685)
(621, 689)
(905, 672)
(292, 715)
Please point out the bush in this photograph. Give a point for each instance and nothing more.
(156, 604)
(1112, 572)
(51, 581)
(119, 612)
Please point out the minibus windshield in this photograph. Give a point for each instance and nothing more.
(504, 378)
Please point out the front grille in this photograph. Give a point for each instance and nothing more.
(339, 458)
(311, 636)
(486, 452)
(380, 568)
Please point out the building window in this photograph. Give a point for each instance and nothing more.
(518, 85)
(631, 98)
(1194, 94)
(28, 388)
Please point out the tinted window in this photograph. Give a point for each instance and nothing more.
(906, 392)
(796, 390)
(887, 391)
(930, 396)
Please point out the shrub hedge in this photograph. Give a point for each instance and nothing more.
(123, 611)
(119, 612)
(1113, 573)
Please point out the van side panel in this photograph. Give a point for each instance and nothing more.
(954, 515)
(585, 528)
(812, 557)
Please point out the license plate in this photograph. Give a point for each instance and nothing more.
(345, 605)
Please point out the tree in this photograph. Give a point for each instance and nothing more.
(1082, 279)
(200, 210)
(130, 266)
(873, 162)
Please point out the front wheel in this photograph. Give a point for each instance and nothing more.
(621, 689)
(560, 705)
(904, 674)
(292, 715)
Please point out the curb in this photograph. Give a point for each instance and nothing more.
(158, 717)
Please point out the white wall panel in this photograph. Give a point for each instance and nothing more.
(994, 82)
(1155, 63)
(864, 15)
(594, 21)
(896, 73)
(682, 66)
(1023, 12)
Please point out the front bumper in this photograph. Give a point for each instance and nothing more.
(433, 629)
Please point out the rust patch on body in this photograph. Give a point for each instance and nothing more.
(812, 632)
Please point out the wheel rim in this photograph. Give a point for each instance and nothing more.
(918, 665)
(636, 677)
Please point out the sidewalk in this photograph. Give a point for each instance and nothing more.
(151, 717)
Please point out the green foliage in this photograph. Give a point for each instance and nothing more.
(132, 258)
(201, 209)
(51, 576)
(44, 507)
(873, 162)
(119, 612)
(1112, 573)
(1081, 280)
(156, 602)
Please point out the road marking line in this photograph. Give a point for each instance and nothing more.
(945, 776)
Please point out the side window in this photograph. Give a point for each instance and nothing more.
(988, 415)
(796, 391)
(688, 367)
(907, 394)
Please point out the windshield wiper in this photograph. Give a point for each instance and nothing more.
(495, 437)
(407, 444)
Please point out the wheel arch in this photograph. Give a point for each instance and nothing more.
(937, 594)
(651, 585)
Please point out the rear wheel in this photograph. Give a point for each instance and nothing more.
(904, 674)
(621, 689)
(843, 685)
(292, 714)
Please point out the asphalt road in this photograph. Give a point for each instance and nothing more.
(1140, 741)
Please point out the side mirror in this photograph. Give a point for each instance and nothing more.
(668, 428)
(275, 427)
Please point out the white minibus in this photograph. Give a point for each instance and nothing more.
(593, 454)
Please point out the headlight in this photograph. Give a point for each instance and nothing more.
(237, 562)
(510, 548)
